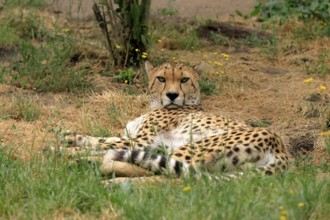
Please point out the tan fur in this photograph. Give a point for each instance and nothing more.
(192, 137)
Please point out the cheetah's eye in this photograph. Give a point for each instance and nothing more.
(184, 79)
(161, 79)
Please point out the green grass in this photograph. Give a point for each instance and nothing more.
(46, 68)
(247, 198)
(42, 187)
(24, 3)
(45, 186)
(21, 108)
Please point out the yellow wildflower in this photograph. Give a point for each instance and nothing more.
(187, 188)
(144, 55)
(218, 63)
(65, 30)
(283, 217)
(224, 55)
(159, 40)
(209, 61)
(284, 212)
(162, 49)
(215, 53)
(308, 80)
(137, 49)
(118, 46)
(323, 87)
(301, 204)
(126, 81)
(281, 207)
(174, 58)
(222, 72)
(325, 133)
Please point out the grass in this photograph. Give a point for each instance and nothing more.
(45, 68)
(47, 186)
(44, 186)
(21, 108)
(320, 65)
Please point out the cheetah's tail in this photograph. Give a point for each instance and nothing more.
(154, 162)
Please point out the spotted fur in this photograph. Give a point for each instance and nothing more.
(193, 139)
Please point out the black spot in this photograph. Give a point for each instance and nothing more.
(183, 132)
(229, 153)
(100, 140)
(162, 162)
(279, 162)
(127, 144)
(236, 149)
(192, 147)
(134, 155)
(178, 167)
(182, 148)
(145, 138)
(283, 167)
(264, 133)
(247, 138)
(218, 150)
(255, 135)
(231, 142)
(272, 165)
(210, 150)
(268, 172)
(178, 155)
(187, 157)
(261, 145)
(120, 155)
(248, 150)
(277, 151)
(153, 157)
(216, 139)
(235, 160)
(237, 138)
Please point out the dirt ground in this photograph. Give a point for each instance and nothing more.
(257, 88)
(82, 9)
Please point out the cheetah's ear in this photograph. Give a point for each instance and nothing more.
(200, 68)
(148, 67)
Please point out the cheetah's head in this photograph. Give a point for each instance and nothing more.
(173, 86)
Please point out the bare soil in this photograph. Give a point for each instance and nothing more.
(256, 88)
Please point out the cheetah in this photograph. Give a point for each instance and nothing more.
(194, 141)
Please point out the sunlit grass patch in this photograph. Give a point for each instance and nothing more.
(21, 108)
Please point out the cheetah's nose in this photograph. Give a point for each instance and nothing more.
(172, 95)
